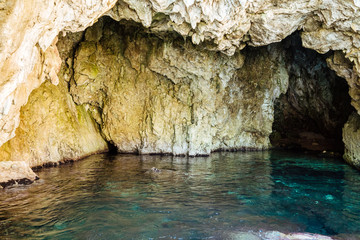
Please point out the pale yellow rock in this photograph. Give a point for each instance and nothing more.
(173, 97)
(28, 31)
(52, 129)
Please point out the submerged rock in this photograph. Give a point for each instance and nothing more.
(244, 236)
(17, 172)
(275, 235)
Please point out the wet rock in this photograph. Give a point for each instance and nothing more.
(244, 236)
(16, 172)
(274, 235)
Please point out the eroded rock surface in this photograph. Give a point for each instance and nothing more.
(351, 138)
(316, 106)
(28, 29)
(29, 56)
(153, 95)
(16, 172)
(52, 127)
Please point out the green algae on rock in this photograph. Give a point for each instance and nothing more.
(53, 128)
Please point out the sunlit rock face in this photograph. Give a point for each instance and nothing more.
(52, 127)
(153, 95)
(28, 55)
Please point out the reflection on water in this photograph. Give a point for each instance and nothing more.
(119, 197)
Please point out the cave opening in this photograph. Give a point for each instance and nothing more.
(125, 89)
(313, 111)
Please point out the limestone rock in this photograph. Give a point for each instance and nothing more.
(346, 69)
(28, 55)
(351, 138)
(52, 128)
(17, 172)
(168, 96)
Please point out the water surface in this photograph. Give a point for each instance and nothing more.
(119, 197)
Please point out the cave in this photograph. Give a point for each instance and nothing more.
(247, 110)
(313, 111)
(125, 89)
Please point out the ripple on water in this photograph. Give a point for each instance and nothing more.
(120, 197)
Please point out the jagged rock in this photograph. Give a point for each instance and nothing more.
(351, 138)
(52, 128)
(28, 56)
(17, 172)
(168, 96)
(316, 106)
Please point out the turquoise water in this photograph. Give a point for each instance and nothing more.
(120, 197)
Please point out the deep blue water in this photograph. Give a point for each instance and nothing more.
(119, 197)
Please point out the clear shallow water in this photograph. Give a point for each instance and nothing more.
(117, 197)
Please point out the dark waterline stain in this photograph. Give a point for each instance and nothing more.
(121, 197)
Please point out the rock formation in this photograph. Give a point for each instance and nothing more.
(316, 106)
(148, 97)
(351, 137)
(186, 86)
(15, 172)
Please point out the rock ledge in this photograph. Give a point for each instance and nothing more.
(16, 172)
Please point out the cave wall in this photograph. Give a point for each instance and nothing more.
(52, 127)
(29, 29)
(152, 95)
(145, 94)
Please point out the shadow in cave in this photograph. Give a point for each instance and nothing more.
(316, 106)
